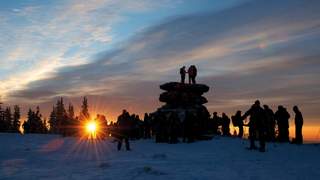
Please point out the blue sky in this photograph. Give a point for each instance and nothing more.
(72, 32)
(118, 52)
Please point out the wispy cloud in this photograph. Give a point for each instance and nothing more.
(44, 38)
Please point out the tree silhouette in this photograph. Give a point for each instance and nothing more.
(57, 119)
(61, 117)
(2, 121)
(72, 122)
(84, 114)
(53, 121)
(34, 122)
(7, 119)
(71, 111)
(61, 121)
(16, 119)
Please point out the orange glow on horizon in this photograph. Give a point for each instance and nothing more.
(310, 132)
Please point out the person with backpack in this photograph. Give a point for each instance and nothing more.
(192, 72)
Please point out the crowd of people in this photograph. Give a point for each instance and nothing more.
(264, 125)
(129, 127)
(165, 128)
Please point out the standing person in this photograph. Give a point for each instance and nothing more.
(225, 125)
(183, 74)
(298, 120)
(102, 124)
(256, 124)
(216, 122)
(138, 126)
(282, 118)
(192, 72)
(270, 123)
(238, 121)
(124, 128)
(147, 126)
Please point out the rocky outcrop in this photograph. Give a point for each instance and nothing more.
(193, 88)
(182, 99)
(179, 94)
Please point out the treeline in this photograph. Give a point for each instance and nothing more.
(10, 120)
(62, 120)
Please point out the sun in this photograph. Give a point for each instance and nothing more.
(91, 128)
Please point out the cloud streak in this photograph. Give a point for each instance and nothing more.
(44, 39)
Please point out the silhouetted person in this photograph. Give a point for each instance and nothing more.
(238, 122)
(282, 118)
(256, 125)
(137, 127)
(216, 122)
(183, 74)
(124, 127)
(192, 72)
(298, 120)
(225, 125)
(270, 124)
(147, 126)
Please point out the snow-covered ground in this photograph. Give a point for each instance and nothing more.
(53, 157)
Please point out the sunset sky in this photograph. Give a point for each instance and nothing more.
(118, 53)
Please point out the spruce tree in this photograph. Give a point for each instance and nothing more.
(8, 120)
(61, 117)
(73, 123)
(71, 111)
(28, 124)
(2, 122)
(53, 121)
(16, 119)
(84, 114)
(34, 123)
(41, 125)
(38, 121)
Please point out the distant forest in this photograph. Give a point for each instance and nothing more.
(62, 120)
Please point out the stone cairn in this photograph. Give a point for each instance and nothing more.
(181, 98)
